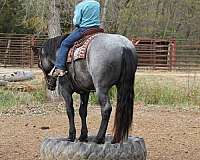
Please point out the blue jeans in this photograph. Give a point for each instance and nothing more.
(66, 44)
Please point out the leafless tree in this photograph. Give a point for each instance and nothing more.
(54, 28)
(103, 19)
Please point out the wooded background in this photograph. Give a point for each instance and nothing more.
(132, 18)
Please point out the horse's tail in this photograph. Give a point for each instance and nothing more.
(125, 96)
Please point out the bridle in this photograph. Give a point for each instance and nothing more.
(50, 81)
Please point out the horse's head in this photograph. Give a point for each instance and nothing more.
(46, 65)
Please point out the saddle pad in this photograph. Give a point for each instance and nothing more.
(79, 50)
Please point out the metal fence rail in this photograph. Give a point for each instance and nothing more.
(188, 54)
(15, 50)
(169, 54)
(155, 53)
(172, 54)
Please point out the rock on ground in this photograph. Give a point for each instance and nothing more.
(16, 76)
(3, 83)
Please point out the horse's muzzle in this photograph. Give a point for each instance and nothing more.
(51, 83)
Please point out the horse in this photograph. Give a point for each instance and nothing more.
(111, 60)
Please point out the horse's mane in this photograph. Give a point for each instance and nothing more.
(51, 45)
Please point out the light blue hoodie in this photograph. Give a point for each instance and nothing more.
(87, 14)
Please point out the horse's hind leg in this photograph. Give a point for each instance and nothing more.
(102, 95)
(83, 114)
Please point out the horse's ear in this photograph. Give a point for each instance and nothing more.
(35, 50)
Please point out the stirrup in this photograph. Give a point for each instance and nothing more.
(56, 72)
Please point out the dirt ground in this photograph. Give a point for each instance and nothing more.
(169, 134)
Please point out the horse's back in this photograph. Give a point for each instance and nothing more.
(105, 57)
(108, 48)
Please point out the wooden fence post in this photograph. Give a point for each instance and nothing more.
(154, 54)
(172, 53)
(32, 40)
(7, 52)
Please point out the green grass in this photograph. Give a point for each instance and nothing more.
(164, 90)
(155, 90)
(168, 90)
(13, 98)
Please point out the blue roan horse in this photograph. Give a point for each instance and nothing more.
(111, 60)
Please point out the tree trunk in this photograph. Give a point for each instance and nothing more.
(54, 30)
(103, 19)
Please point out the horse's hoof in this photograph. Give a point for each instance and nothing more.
(113, 141)
(83, 138)
(71, 138)
(99, 140)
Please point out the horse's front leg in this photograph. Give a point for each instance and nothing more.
(70, 113)
(83, 114)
